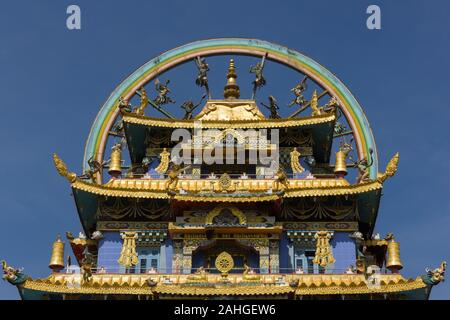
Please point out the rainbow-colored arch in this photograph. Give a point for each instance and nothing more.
(98, 135)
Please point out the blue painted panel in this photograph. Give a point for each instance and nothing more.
(197, 260)
(344, 251)
(169, 256)
(253, 260)
(286, 258)
(109, 251)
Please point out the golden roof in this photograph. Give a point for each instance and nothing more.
(220, 110)
(308, 284)
(256, 189)
(219, 123)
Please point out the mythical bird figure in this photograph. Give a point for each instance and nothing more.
(202, 78)
(259, 78)
(13, 275)
(298, 92)
(435, 276)
(163, 91)
(273, 107)
(389, 236)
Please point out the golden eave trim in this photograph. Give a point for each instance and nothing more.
(308, 285)
(222, 124)
(318, 191)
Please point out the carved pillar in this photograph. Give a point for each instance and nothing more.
(274, 256)
(264, 256)
(188, 247)
(177, 260)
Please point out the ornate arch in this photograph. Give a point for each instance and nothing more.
(364, 139)
(217, 210)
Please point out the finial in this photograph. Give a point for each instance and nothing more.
(391, 168)
(231, 90)
(314, 103)
(62, 169)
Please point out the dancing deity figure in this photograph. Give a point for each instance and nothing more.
(259, 78)
(273, 107)
(163, 91)
(202, 78)
(298, 92)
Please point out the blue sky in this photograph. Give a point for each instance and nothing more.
(53, 81)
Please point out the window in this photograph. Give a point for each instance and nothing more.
(148, 259)
(143, 266)
(304, 259)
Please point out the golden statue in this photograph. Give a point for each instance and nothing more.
(281, 178)
(165, 160)
(315, 105)
(295, 162)
(249, 274)
(144, 103)
(200, 275)
(172, 176)
(324, 253)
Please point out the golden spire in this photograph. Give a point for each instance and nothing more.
(231, 90)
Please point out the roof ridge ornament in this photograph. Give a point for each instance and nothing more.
(62, 169)
(391, 169)
(231, 90)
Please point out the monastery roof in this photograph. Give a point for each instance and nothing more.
(216, 121)
(252, 190)
(181, 285)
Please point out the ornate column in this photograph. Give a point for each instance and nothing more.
(274, 256)
(188, 247)
(177, 260)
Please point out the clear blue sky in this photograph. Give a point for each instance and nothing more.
(53, 81)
